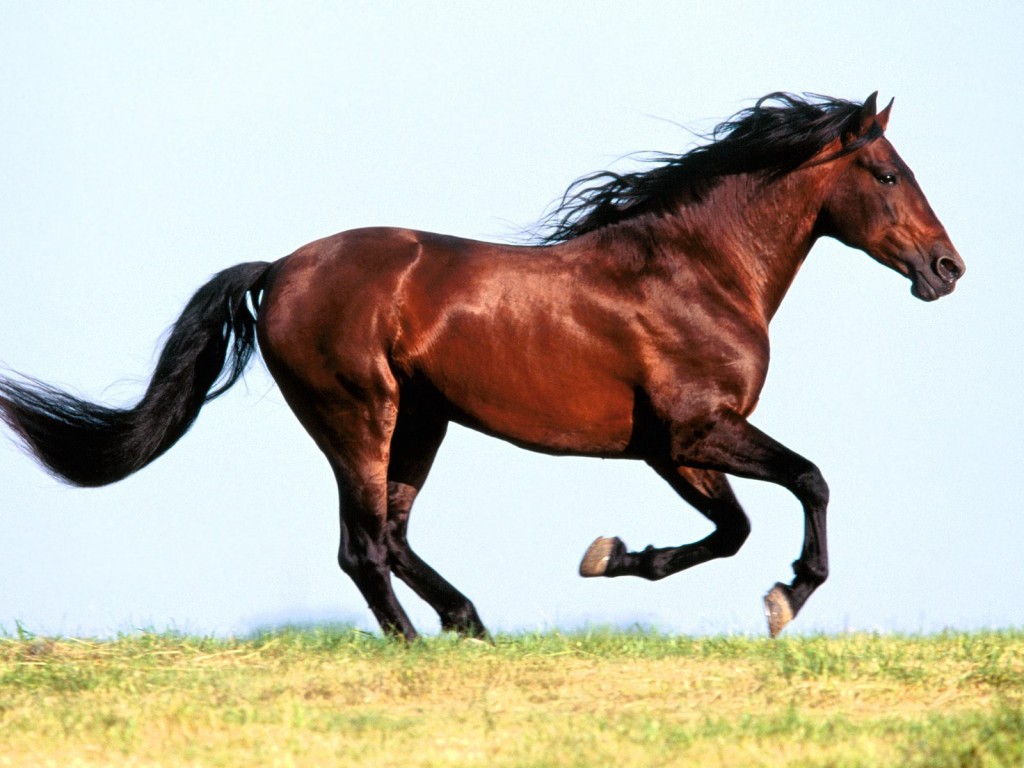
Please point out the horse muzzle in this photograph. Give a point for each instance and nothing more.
(938, 277)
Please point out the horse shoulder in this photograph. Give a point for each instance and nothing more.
(704, 351)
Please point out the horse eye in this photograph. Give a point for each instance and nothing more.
(889, 179)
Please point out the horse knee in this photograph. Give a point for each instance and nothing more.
(811, 488)
(730, 537)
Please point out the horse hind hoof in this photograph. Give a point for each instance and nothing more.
(595, 561)
(777, 609)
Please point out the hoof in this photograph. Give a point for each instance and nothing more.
(595, 561)
(777, 609)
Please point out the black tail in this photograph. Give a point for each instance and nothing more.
(88, 444)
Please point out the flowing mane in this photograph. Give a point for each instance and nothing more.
(776, 135)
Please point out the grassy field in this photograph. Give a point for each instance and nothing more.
(341, 697)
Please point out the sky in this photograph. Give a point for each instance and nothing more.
(144, 147)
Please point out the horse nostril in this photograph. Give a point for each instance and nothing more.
(948, 269)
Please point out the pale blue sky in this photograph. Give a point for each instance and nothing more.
(144, 147)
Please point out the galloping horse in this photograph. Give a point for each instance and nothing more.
(636, 327)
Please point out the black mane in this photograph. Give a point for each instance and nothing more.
(778, 134)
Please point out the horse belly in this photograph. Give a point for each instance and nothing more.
(556, 416)
(537, 390)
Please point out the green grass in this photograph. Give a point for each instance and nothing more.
(343, 697)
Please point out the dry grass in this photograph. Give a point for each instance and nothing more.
(340, 697)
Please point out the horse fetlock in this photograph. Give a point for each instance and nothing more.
(814, 574)
(464, 620)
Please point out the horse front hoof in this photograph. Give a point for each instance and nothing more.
(777, 609)
(595, 561)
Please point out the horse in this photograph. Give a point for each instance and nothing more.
(634, 325)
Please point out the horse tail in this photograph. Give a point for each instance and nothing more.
(88, 444)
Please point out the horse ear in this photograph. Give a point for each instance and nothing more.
(861, 122)
(883, 117)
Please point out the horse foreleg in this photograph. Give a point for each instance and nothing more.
(730, 444)
(710, 493)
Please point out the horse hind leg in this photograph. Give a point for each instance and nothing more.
(363, 551)
(710, 493)
(353, 427)
(413, 448)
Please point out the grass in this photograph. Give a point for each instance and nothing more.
(342, 697)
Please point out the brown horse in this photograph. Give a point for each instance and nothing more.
(636, 328)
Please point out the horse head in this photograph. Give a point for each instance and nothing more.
(875, 204)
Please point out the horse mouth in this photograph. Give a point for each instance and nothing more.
(930, 290)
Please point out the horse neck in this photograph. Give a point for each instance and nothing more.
(752, 235)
